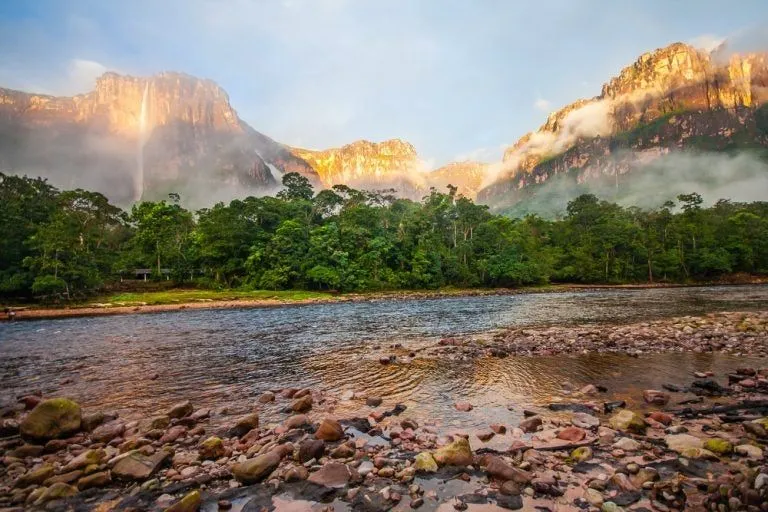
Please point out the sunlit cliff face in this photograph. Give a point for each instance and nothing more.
(689, 94)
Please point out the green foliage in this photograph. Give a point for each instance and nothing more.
(67, 244)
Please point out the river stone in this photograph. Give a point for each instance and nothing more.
(296, 421)
(57, 491)
(137, 466)
(244, 425)
(655, 397)
(584, 420)
(56, 417)
(311, 449)
(627, 421)
(189, 503)
(497, 468)
(626, 444)
(718, 446)
(67, 478)
(593, 497)
(266, 397)
(296, 474)
(581, 454)
(302, 404)
(35, 476)
(212, 448)
(531, 424)
(334, 474)
(425, 462)
(463, 406)
(457, 453)
(85, 459)
(108, 431)
(92, 420)
(748, 450)
(573, 434)
(159, 422)
(99, 479)
(27, 450)
(680, 442)
(181, 409)
(257, 468)
(329, 430)
(343, 451)
(661, 417)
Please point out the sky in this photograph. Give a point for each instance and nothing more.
(458, 79)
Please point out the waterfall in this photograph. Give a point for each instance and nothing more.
(138, 184)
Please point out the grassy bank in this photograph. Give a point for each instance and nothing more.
(181, 296)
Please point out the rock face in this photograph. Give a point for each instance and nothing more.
(674, 98)
(134, 137)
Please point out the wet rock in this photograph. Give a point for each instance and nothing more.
(108, 431)
(302, 404)
(509, 502)
(343, 451)
(334, 474)
(92, 420)
(581, 454)
(67, 478)
(708, 388)
(457, 453)
(244, 425)
(748, 450)
(718, 446)
(172, 434)
(212, 448)
(463, 406)
(57, 491)
(35, 476)
(497, 468)
(425, 463)
(296, 421)
(681, 442)
(609, 407)
(329, 430)
(27, 450)
(627, 421)
(180, 410)
(584, 420)
(85, 459)
(626, 444)
(99, 479)
(266, 397)
(652, 396)
(53, 418)
(593, 497)
(159, 422)
(531, 424)
(181, 458)
(137, 466)
(199, 415)
(573, 434)
(386, 472)
(498, 428)
(255, 469)
(416, 503)
(30, 401)
(661, 417)
(644, 475)
(296, 474)
(311, 449)
(373, 401)
(189, 503)
(485, 435)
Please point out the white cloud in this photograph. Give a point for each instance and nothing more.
(707, 42)
(542, 104)
(82, 75)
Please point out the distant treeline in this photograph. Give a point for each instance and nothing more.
(67, 244)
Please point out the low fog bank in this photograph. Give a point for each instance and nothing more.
(741, 177)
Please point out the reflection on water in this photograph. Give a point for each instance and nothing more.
(219, 357)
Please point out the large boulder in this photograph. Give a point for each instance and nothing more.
(56, 417)
(457, 453)
(137, 466)
(628, 421)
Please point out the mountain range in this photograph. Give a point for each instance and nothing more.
(135, 138)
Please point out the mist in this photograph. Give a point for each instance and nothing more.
(741, 177)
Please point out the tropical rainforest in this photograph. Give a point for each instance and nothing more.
(64, 245)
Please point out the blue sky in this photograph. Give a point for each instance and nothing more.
(456, 78)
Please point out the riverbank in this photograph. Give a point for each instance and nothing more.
(698, 446)
(184, 299)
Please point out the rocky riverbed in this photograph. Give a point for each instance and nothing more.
(695, 447)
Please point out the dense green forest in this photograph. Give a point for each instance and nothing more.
(68, 244)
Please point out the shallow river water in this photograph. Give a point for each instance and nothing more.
(221, 358)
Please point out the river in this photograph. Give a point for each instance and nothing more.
(138, 365)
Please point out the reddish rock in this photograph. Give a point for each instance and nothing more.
(573, 434)
(661, 417)
(499, 429)
(329, 430)
(655, 397)
(532, 424)
(463, 406)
